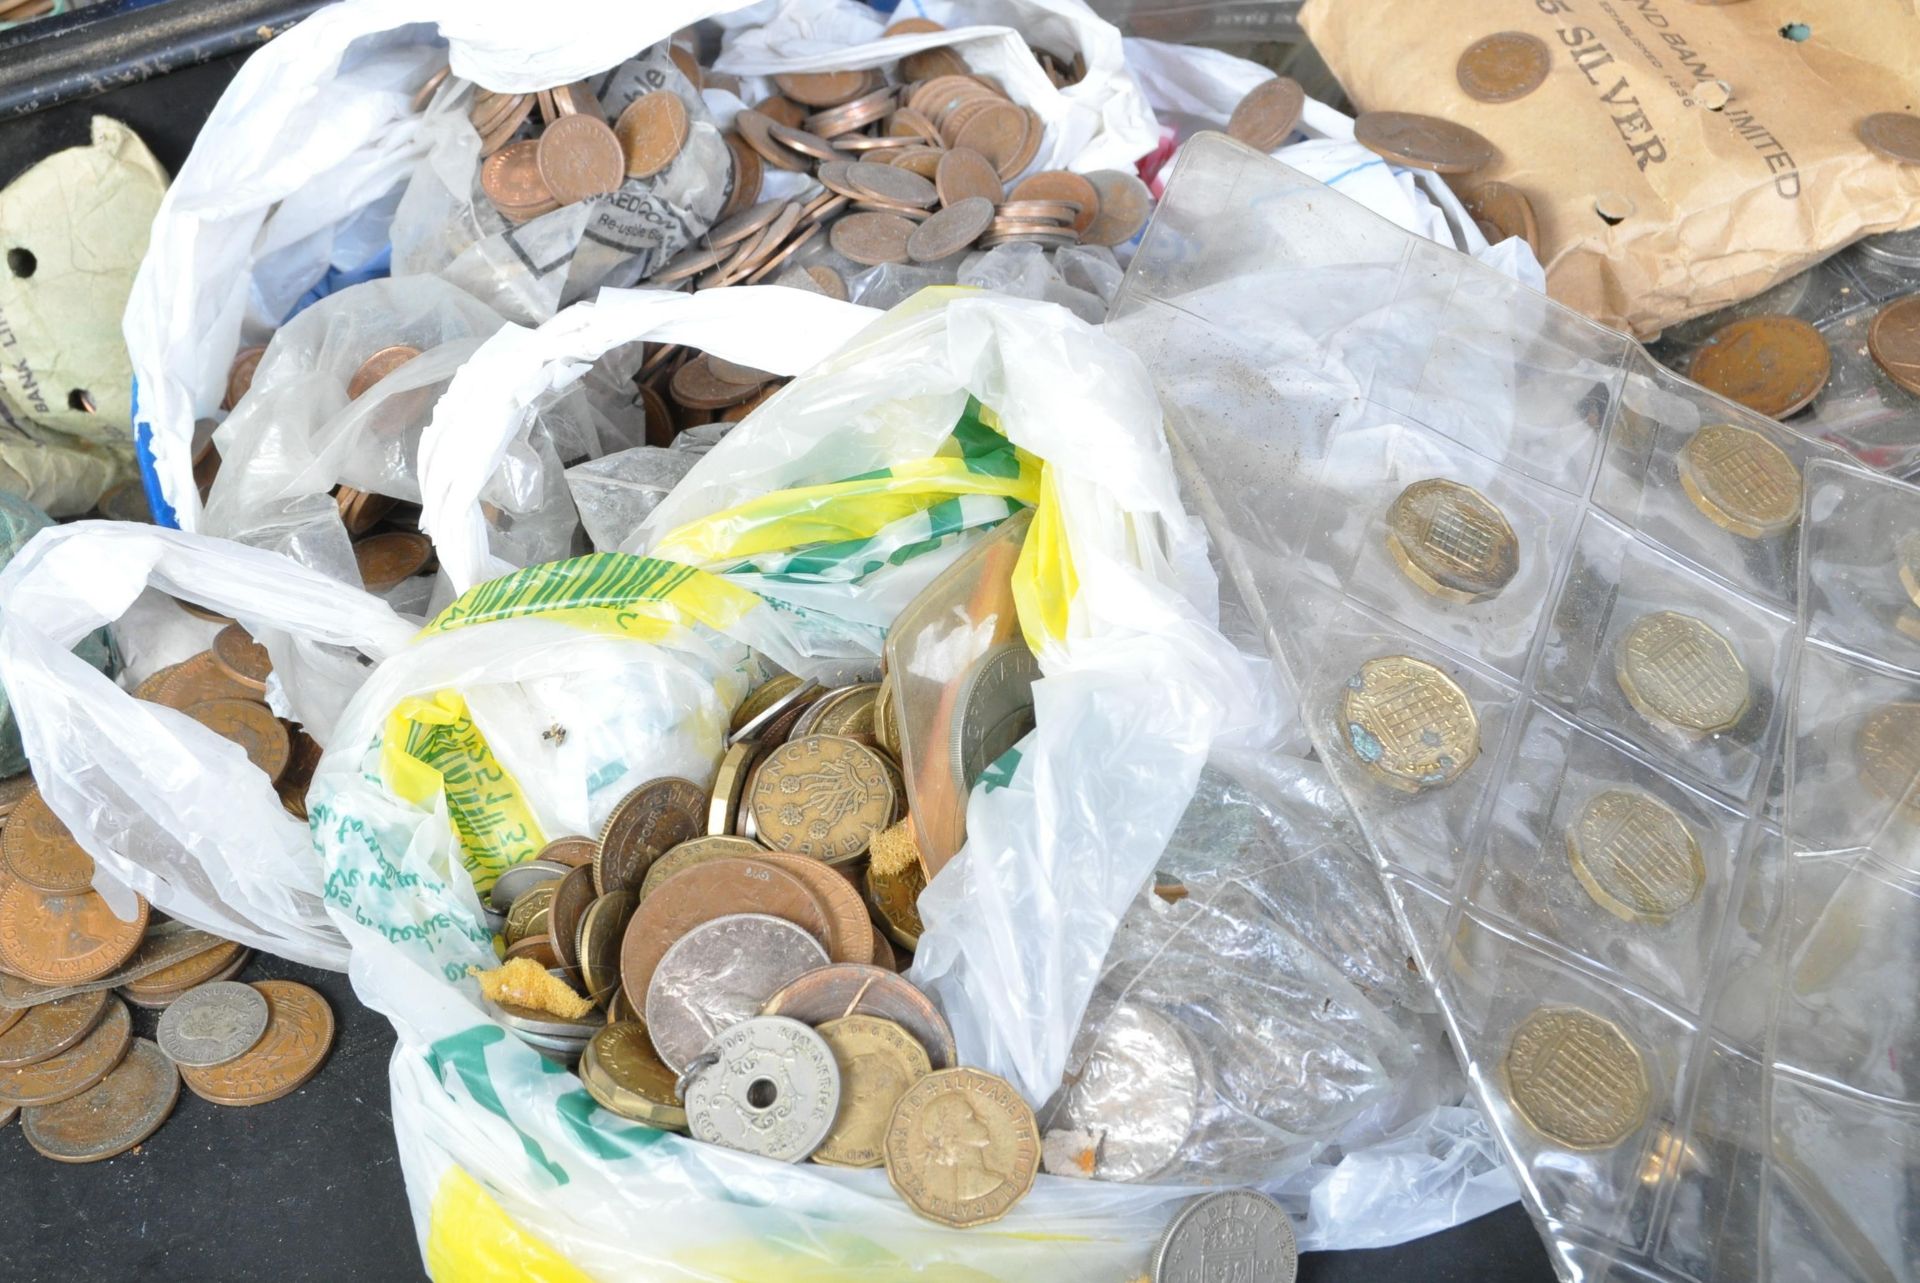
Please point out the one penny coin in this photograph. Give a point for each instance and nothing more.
(51, 1028)
(950, 230)
(1125, 204)
(963, 173)
(74, 1070)
(1507, 210)
(1061, 185)
(1894, 341)
(511, 180)
(823, 88)
(40, 850)
(1504, 67)
(240, 377)
(1423, 142)
(389, 559)
(849, 930)
(192, 681)
(573, 851)
(571, 900)
(998, 133)
(63, 939)
(1774, 365)
(241, 657)
(1266, 116)
(377, 367)
(110, 1117)
(872, 238)
(253, 727)
(652, 131)
(299, 1035)
(579, 158)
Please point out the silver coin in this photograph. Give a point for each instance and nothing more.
(1899, 248)
(1242, 1223)
(773, 1090)
(720, 973)
(212, 1024)
(522, 878)
(995, 706)
(772, 712)
(1138, 1092)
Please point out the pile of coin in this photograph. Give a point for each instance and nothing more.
(224, 689)
(738, 944)
(85, 1086)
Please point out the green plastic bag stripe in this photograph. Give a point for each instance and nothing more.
(896, 544)
(605, 580)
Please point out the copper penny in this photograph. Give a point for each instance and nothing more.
(1423, 142)
(749, 174)
(161, 999)
(1504, 66)
(757, 131)
(964, 172)
(597, 944)
(293, 782)
(253, 727)
(1125, 204)
(686, 64)
(299, 1035)
(652, 131)
(897, 186)
(872, 239)
(13, 790)
(1266, 116)
(998, 133)
(803, 142)
(74, 1070)
(570, 904)
(858, 989)
(110, 1117)
(823, 88)
(424, 94)
(193, 681)
(201, 968)
(782, 111)
(1894, 341)
(715, 889)
(1774, 365)
(40, 850)
(511, 178)
(951, 230)
(63, 939)
(658, 815)
(573, 851)
(51, 1028)
(849, 931)
(241, 657)
(731, 231)
(1061, 185)
(580, 158)
(1894, 135)
(377, 367)
(884, 956)
(912, 27)
(537, 947)
(391, 558)
(697, 387)
(1507, 209)
(361, 509)
(240, 377)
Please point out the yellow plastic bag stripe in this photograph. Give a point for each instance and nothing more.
(432, 747)
(644, 597)
(471, 1239)
(1044, 582)
(840, 510)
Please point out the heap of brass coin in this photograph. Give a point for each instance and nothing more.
(85, 1087)
(224, 689)
(911, 166)
(739, 948)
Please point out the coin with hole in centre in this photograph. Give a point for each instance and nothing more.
(768, 1086)
(1742, 481)
(1575, 1078)
(1676, 670)
(1635, 856)
(1452, 540)
(1409, 723)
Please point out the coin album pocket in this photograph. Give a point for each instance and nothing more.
(1583, 1080)
(1596, 852)
(1709, 479)
(1658, 655)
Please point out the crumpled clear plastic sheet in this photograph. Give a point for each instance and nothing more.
(617, 492)
(1081, 278)
(1859, 408)
(296, 435)
(1256, 1023)
(446, 226)
(1728, 1101)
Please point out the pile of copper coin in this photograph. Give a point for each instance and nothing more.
(680, 388)
(85, 1086)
